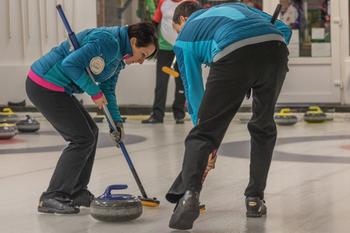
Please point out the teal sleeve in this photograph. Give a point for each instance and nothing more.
(282, 27)
(191, 75)
(74, 66)
(108, 89)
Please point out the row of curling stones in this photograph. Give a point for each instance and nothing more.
(285, 116)
(314, 114)
(10, 124)
(27, 125)
(8, 128)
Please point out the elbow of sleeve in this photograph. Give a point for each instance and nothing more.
(87, 85)
(93, 90)
(65, 66)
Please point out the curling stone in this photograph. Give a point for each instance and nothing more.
(28, 125)
(315, 115)
(115, 207)
(17, 104)
(285, 117)
(98, 118)
(8, 116)
(7, 131)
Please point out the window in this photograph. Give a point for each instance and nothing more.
(114, 12)
(209, 3)
(255, 3)
(310, 23)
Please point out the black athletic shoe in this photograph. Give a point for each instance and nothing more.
(59, 205)
(152, 120)
(255, 207)
(186, 211)
(82, 198)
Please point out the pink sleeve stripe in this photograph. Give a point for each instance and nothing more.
(44, 83)
(99, 95)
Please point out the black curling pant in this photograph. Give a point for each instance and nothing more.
(75, 125)
(263, 68)
(165, 58)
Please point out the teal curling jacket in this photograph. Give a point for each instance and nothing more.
(102, 51)
(210, 34)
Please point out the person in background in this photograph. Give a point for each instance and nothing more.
(52, 81)
(244, 51)
(290, 14)
(163, 17)
(146, 9)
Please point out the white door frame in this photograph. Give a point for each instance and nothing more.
(302, 68)
(345, 51)
(336, 26)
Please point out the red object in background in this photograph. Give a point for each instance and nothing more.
(11, 141)
(346, 147)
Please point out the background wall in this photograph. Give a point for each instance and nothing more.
(30, 28)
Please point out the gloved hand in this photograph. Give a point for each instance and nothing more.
(118, 135)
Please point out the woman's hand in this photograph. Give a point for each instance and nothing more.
(118, 134)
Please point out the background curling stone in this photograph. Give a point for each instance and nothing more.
(315, 115)
(7, 131)
(28, 125)
(17, 104)
(285, 117)
(99, 118)
(115, 207)
(8, 116)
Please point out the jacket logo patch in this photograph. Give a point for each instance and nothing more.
(97, 64)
